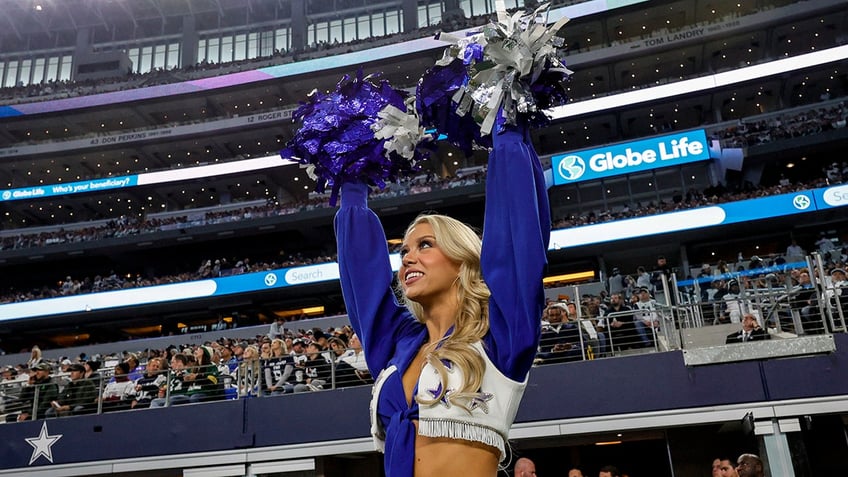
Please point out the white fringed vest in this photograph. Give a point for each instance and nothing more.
(493, 408)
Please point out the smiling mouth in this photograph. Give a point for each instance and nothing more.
(412, 276)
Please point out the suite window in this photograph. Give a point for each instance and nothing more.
(11, 74)
(336, 32)
(266, 43)
(173, 56)
(240, 48)
(392, 22)
(253, 45)
(38, 71)
(226, 49)
(52, 69)
(146, 59)
(26, 69)
(212, 52)
(281, 41)
(66, 68)
(350, 29)
(378, 24)
(363, 27)
(159, 56)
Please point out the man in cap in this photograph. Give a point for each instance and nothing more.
(646, 318)
(48, 391)
(560, 340)
(736, 304)
(78, 396)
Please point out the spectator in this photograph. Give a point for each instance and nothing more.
(250, 373)
(560, 340)
(794, 252)
(621, 323)
(609, 471)
(749, 465)
(357, 359)
(176, 390)
(750, 331)
(119, 394)
(35, 357)
(726, 468)
(279, 369)
(524, 467)
(147, 387)
(202, 380)
(316, 369)
(47, 390)
(276, 330)
(79, 396)
(647, 320)
(575, 472)
(228, 358)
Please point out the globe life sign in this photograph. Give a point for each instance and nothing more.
(627, 158)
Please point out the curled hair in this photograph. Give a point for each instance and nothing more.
(460, 244)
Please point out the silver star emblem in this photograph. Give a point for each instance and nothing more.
(481, 400)
(41, 444)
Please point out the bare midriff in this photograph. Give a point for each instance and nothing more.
(442, 456)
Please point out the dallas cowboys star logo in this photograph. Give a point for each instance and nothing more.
(481, 400)
(41, 444)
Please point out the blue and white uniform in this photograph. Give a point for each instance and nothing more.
(515, 238)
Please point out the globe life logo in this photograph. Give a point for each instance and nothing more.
(675, 149)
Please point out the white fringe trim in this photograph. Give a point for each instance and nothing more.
(454, 429)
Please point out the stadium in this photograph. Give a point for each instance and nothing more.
(146, 211)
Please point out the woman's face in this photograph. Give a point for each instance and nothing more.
(426, 274)
(266, 348)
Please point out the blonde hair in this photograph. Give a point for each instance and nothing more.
(461, 244)
(284, 350)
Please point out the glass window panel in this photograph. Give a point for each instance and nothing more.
(591, 195)
(322, 33)
(2, 70)
(173, 56)
(479, 7)
(26, 69)
(38, 71)
(214, 49)
(66, 68)
(434, 14)
(281, 42)
(266, 43)
(378, 25)
(240, 47)
(617, 193)
(159, 56)
(52, 69)
(201, 51)
(349, 29)
(132, 53)
(310, 35)
(422, 16)
(392, 22)
(363, 28)
(146, 59)
(336, 32)
(226, 49)
(11, 74)
(253, 45)
(668, 181)
(465, 5)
